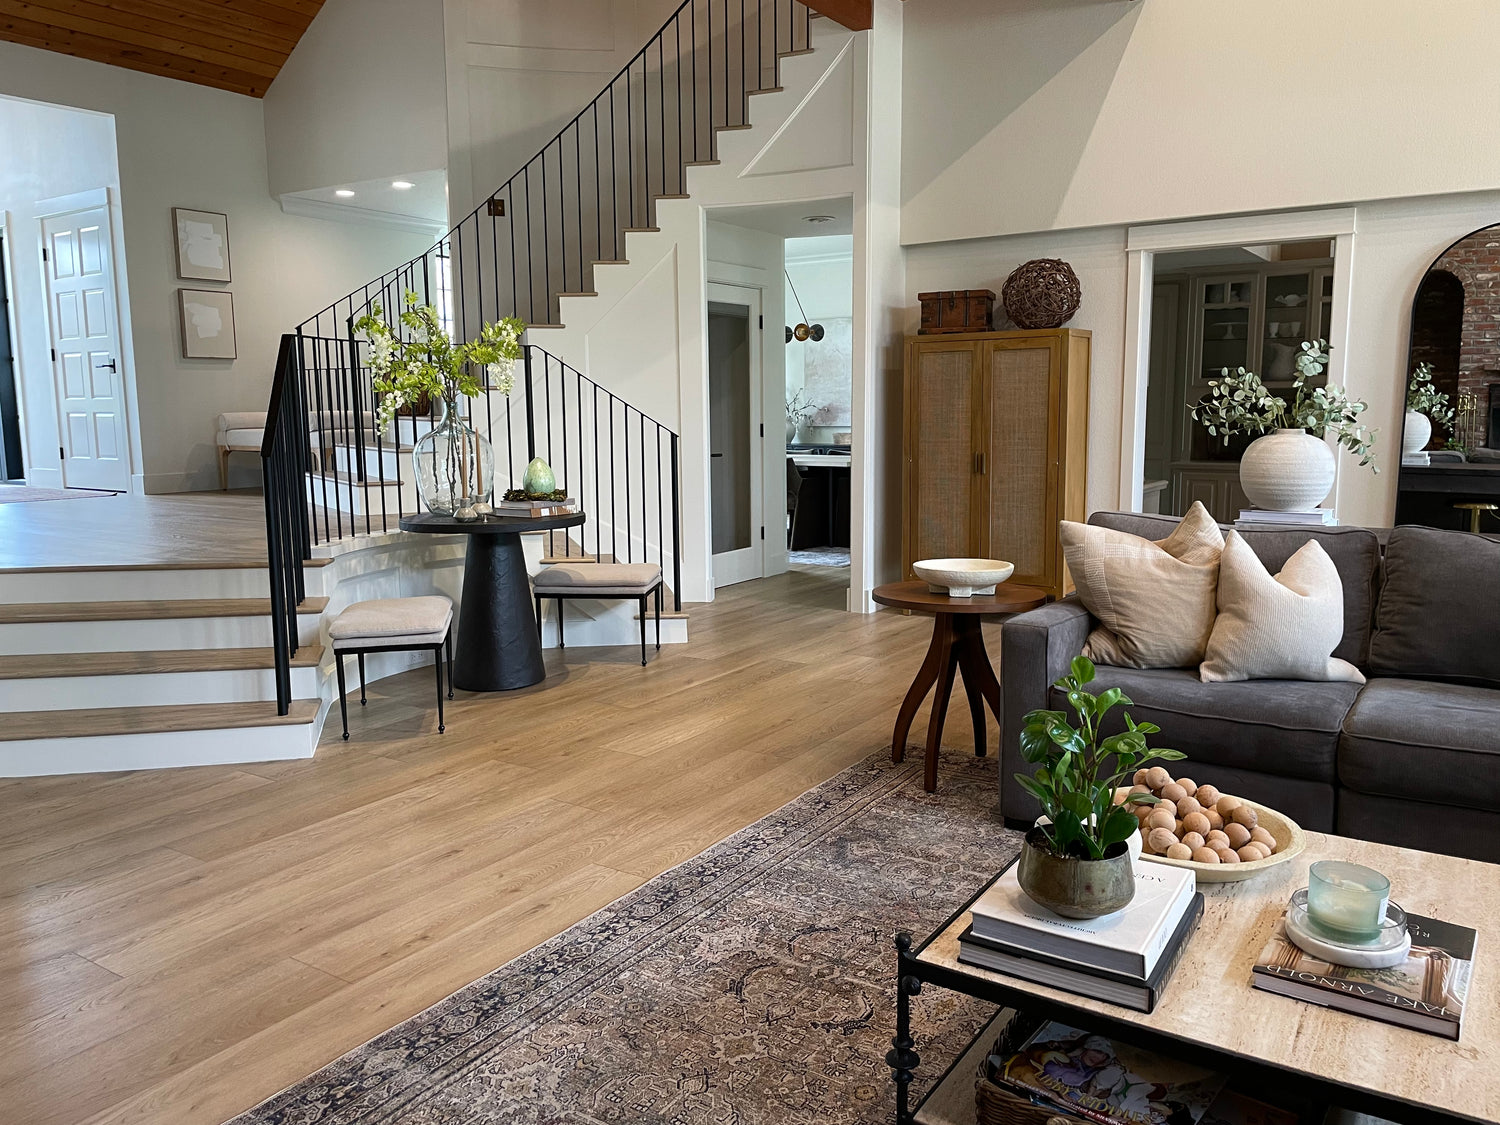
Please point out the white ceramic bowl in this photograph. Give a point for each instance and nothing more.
(963, 578)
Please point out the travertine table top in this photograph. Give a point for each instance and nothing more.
(1209, 999)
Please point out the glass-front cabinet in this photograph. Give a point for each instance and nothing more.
(1251, 316)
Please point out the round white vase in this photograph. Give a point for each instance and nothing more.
(1414, 438)
(1287, 471)
(791, 431)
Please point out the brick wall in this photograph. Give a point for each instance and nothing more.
(1476, 263)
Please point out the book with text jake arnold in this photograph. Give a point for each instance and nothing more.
(1425, 992)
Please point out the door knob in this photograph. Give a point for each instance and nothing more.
(110, 366)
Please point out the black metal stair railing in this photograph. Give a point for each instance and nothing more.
(331, 472)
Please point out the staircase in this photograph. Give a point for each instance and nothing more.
(542, 247)
(173, 666)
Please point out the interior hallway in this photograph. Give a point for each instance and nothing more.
(180, 944)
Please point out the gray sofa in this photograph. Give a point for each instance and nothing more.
(1410, 758)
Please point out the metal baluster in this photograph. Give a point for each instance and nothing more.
(676, 524)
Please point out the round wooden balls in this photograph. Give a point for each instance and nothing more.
(1042, 293)
(1197, 822)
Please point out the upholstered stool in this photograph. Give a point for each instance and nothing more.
(599, 580)
(393, 625)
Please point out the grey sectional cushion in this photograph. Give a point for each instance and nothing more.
(1424, 741)
(1283, 727)
(1439, 610)
(1354, 550)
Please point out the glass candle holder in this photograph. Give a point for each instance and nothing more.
(1347, 899)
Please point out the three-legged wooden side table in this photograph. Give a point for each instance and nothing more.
(957, 644)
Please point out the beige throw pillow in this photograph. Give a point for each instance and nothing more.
(1154, 600)
(1277, 628)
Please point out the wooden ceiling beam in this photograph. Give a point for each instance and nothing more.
(856, 15)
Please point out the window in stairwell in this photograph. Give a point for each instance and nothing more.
(442, 288)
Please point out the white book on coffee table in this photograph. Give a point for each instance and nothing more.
(1128, 941)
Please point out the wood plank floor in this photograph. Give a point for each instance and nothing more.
(177, 945)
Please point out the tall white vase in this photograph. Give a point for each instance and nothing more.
(1414, 438)
(1287, 471)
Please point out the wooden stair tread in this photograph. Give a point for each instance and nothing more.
(179, 564)
(29, 666)
(611, 261)
(529, 327)
(176, 608)
(104, 721)
(638, 230)
(579, 294)
(767, 90)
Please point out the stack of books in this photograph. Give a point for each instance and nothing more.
(536, 509)
(1425, 992)
(1125, 958)
(1260, 517)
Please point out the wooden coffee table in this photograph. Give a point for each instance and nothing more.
(957, 644)
(1210, 1016)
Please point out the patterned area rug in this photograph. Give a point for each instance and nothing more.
(26, 494)
(752, 984)
(820, 556)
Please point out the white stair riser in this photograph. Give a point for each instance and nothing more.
(361, 498)
(141, 585)
(153, 689)
(157, 633)
(385, 462)
(109, 753)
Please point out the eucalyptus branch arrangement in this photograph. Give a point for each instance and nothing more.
(421, 360)
(1239, 403)
(1424, 398)
(1077, 771)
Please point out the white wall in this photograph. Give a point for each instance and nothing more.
(822, 270)
(1026, 115)
(518, 71)
(1394, 242)
(361, 97)
(190, 146)
(48, 152)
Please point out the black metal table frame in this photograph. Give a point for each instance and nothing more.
(912, 973)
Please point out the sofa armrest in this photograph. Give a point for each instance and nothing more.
(1036, 648)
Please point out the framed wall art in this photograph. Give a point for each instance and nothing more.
(202, 244)
(207, 323)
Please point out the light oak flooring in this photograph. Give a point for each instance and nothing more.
(177, 945)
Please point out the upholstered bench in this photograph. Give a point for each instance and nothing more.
(393, 625)
(612, 581)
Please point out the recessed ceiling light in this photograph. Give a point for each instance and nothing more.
(344, 193)
(402, 185)
(819, 219)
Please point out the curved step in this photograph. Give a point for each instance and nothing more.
(34, 666)
(33, 613)
(24, 726)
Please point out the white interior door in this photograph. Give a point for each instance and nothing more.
(734, 434)
(86, 350)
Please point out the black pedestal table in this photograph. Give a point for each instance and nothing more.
(498, 649)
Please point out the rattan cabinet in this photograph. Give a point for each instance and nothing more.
(996, 448)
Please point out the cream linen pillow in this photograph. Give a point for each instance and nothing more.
(1154, 601)
(1281, 628)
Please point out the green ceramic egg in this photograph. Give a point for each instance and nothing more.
(538, 477)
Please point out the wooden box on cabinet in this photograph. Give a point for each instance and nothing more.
(957, 310)
(995, 448)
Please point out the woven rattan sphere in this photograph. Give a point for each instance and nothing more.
(1042, 293)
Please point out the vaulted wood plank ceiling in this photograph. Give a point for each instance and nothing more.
(237, 45)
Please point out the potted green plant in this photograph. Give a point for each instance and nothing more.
(1426, 406)
(1290, 468)
(415, 361)
(1077, 863)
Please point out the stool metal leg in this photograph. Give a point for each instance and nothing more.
(448, 644)
(643, 630)
(437, 663)
(658, 616)
(538, 600)
(361, 678)
(338, 662)
(560, 604)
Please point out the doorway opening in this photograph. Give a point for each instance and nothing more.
(69, 360)
(11, 464)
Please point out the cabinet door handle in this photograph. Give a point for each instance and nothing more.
(979, 464)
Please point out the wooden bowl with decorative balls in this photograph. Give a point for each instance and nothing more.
(1221, 838)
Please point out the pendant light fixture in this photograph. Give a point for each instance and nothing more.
(804, 331)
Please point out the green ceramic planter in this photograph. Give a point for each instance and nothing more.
(1075, 888)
